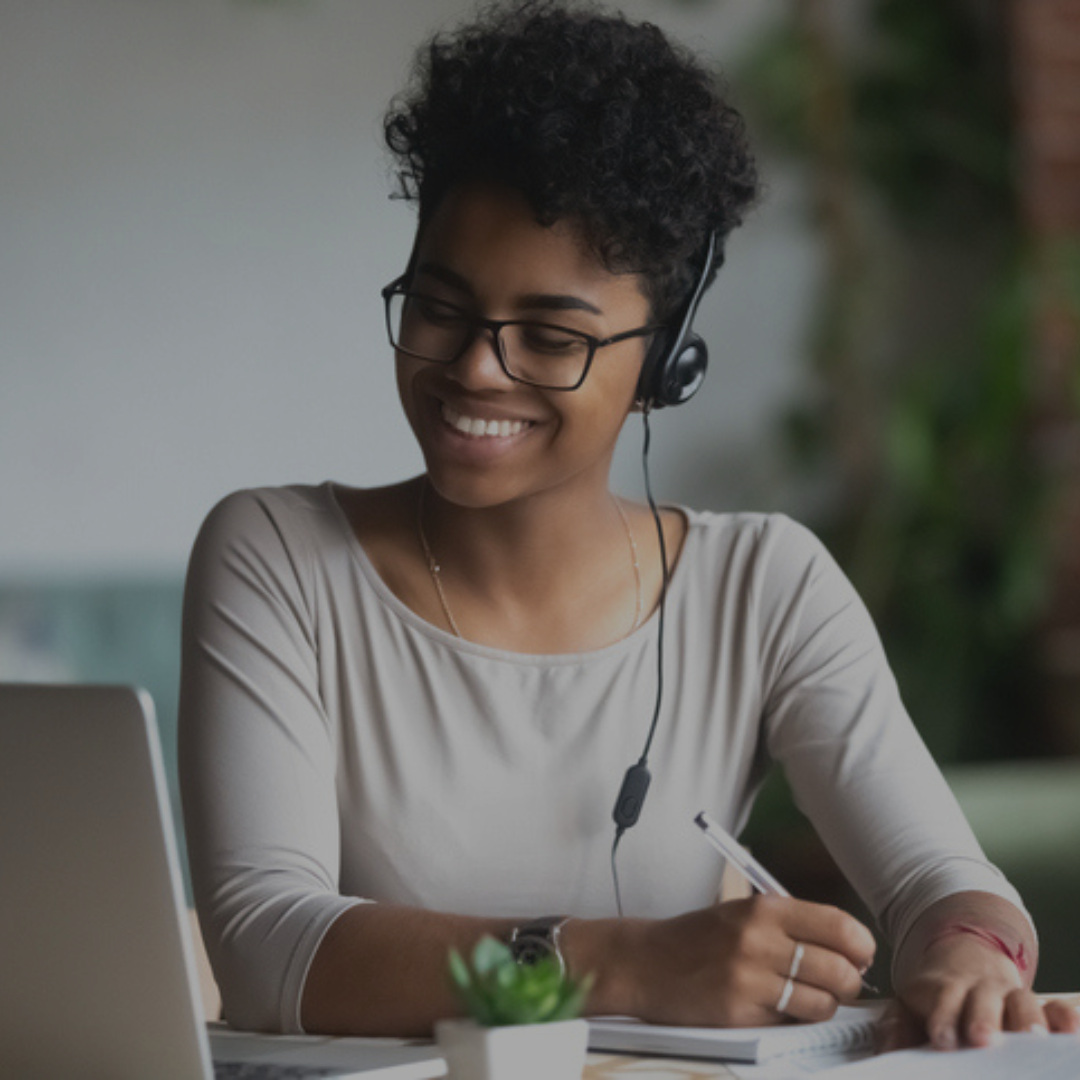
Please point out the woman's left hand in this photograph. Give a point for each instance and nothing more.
(965, 993)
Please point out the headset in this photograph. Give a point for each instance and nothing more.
(673, 371)
(676, 362)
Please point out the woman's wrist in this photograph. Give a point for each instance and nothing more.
(1014, 952)
(971, 928)
(609, 949)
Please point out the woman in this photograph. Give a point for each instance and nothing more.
(406, 712)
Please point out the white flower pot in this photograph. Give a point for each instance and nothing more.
(553, 1051)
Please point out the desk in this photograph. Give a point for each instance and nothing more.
(626, 1067)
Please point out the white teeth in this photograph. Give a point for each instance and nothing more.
(469, 425)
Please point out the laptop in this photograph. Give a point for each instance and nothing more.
(97, 966)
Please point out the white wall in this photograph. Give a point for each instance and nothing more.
(194, 227)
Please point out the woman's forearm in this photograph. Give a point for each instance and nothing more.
(382, 970)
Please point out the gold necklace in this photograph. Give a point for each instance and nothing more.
(436, 571)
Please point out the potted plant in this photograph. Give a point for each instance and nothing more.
(523, 1018)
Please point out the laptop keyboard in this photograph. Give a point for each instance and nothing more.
(266, 1070)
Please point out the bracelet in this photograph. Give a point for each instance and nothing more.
(1017, 955)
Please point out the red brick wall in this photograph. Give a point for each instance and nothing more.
(1047, 51)
(1047, 85)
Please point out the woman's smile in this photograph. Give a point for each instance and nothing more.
(479, 428)
(471, 432)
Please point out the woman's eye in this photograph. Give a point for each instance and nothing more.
(436, 313)
(550, 339)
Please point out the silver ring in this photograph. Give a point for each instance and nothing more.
(796, 960)
(785, 995)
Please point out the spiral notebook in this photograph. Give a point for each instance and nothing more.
(849, 1031)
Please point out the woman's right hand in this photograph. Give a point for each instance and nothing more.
(728, 965)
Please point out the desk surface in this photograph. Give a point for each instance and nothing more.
(619, 1067)
(625, 1067)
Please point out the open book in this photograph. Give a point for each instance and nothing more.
(851, 1029)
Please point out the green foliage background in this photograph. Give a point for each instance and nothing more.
(919, 429)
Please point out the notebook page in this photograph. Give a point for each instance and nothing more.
(851, 1028)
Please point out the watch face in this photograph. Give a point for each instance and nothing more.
(527, 950)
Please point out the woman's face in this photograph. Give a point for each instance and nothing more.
(484, 252)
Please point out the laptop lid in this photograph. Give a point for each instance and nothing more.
(98, 975)
(97, 968)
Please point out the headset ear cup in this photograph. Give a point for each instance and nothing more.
(676, 362)
(683, 374)
(671, 378)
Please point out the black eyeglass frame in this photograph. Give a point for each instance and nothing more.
(475, 323)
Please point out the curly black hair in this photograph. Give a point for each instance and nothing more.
(595, 120)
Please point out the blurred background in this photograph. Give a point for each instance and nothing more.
(195, 224)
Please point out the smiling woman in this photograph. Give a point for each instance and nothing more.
(407, 711)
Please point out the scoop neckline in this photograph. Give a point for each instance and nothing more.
(644, 631)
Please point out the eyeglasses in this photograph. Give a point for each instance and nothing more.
(536, 353)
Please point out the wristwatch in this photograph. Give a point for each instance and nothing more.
(538, 938)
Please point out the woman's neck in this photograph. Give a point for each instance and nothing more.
(549, 572)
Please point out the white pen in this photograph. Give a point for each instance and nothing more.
(746, 864)
(734, 852)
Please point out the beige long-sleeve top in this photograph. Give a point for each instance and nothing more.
(335, 747)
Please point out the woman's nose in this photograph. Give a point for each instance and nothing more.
(479, 366)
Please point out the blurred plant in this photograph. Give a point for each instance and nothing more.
(498, 991)
(920, 425)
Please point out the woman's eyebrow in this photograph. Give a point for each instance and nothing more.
(532, 302)
(445, 275)
(558, 302)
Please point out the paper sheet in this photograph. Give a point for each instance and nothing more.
(1033, 1057)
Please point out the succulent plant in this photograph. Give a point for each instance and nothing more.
(498, 991)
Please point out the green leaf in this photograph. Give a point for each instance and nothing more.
(573, 1002)
(490, 955)
(496, 990)
(459, 971)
